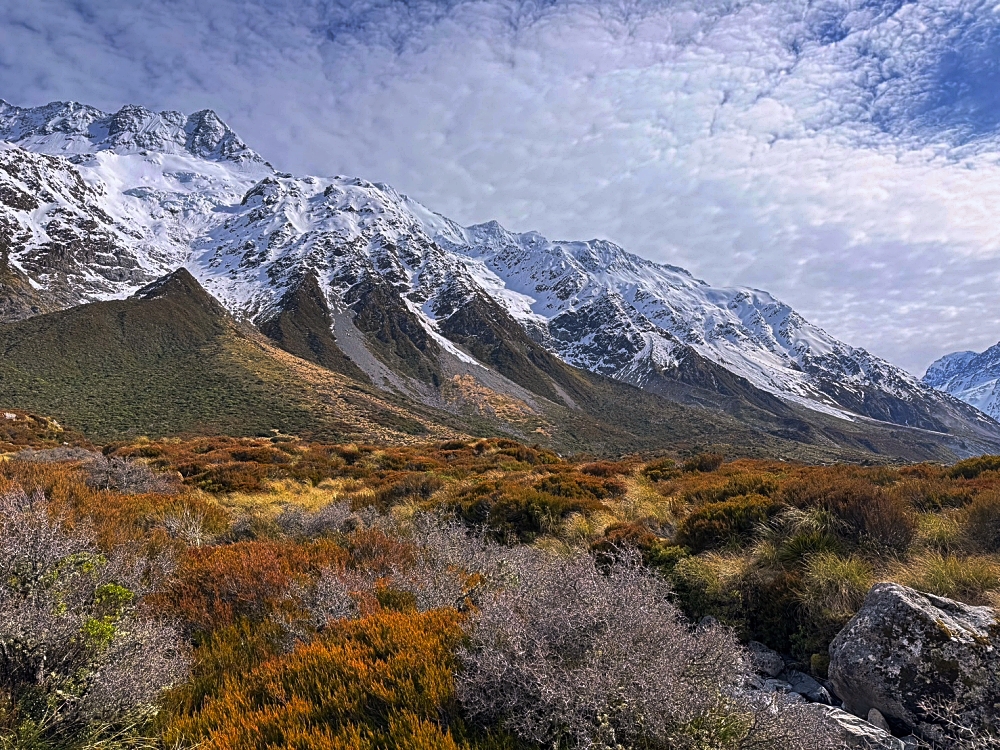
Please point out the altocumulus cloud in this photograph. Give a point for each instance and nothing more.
(843, 154)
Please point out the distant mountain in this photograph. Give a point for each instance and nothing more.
(367, 283)
(972, 377)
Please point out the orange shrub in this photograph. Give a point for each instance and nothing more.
(981, 523)
(379, 682)
(216, 586)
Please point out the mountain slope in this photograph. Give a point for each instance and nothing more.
(972, 377)
(170, 361)
(363, 281)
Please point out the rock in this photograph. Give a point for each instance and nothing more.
(904, 648)
(911, 742)
(858, 733)
(707, 622)
(805, 685)
(876, 718)
(777, 686)
(765, 660)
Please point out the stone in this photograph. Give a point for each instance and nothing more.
(777, 686)
(858, 733)
(876, 718)
(805, 685)
(765, 660)
(905, 648)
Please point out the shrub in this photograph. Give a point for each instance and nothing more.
(573, 657)
(704, 462)
(980, 523)
(866, 512)
(513, 510)
(971, 468)
(382, 681)
(78, 664)
(724, 523)
(662, 470)
(606, 469)
(219, 585)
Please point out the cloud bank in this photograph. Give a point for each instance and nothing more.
(842, 154)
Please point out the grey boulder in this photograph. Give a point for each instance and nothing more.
(765, 661)
(905, 649)
(803, 684)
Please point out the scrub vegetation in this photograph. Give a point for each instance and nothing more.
(272, 593)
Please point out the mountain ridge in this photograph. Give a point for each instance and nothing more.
(970, 376)
(361, 280)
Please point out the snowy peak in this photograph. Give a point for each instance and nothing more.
(971, 377)
(71, 128)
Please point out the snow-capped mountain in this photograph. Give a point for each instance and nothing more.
(972, 377)
(93, 206)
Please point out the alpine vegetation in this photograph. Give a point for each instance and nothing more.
(81, 662)
(575, 656)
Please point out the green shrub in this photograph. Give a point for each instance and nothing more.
(513, 510)
(656, 553)
(729, 522)
(662, 470)
(709, 586)
(704, 462)
(971, 468)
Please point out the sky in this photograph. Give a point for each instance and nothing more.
(843, 155)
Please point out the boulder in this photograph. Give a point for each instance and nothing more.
(805, 685)
(858, 733)
(765, 661)
(904, 649)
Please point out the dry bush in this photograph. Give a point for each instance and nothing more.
(77, 660)
(570, 656)
(456, 567)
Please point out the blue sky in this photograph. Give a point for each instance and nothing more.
(843, 155)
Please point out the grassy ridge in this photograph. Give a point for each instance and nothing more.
(177, 364)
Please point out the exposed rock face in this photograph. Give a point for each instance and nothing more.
(905, 648)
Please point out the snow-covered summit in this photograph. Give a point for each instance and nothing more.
(67, 128)
(613, 312)
(972, 377)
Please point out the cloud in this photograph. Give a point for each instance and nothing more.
(841, 154)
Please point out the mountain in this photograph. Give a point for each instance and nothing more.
(369, 284)
(972, 377)
(171, 360)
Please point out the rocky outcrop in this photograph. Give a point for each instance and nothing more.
(905, 650)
